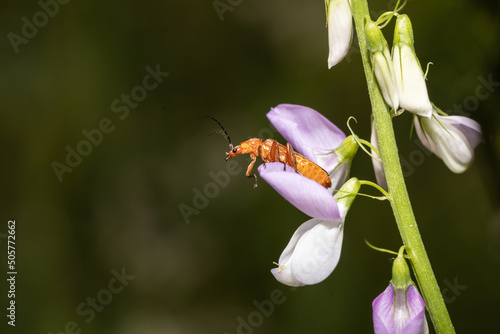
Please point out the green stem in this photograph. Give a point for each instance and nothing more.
(399, 198)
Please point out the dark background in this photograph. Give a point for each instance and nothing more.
(119, 207)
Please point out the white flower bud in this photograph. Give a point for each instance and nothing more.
(408, 73)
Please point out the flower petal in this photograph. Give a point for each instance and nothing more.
(339, 176)
(410, 80)
(384, 72)
(339, 30)
(451, 138)
(284, 272)
(382, 64)
(309, 132)
(468, 127)
(382, 311)
(317, 252)
(312, 253)
(377, 165)
(305, 194)
(406, 314)
(415, 306)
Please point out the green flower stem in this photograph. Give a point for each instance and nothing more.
(399, 199)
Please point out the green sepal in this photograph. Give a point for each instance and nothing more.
(375, 38)
(403, 32)
(347, 150)
(347, 193)
(400, 272)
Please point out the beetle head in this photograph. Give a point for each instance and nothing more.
(234, 151)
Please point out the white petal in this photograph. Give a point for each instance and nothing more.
(317, 252)
(384, 72)
(377, 165)
(339, 30)
(284, 272)
(312, 253)
(410, 80)
(452, 138)
(284, 275)
(339, 175)
(286, 256)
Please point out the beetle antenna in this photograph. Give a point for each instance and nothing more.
(222, 132)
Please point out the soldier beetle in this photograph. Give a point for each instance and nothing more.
(272, 151)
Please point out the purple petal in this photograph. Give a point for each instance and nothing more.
(415, 305)
(382, 311)
(451, 138)
(469, 128)
(309, 132)
(305, 194)
(406, 315)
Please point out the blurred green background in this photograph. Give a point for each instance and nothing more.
(117, 211)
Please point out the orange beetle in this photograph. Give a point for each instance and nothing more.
(272, 151)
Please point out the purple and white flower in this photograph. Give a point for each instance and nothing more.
(451, 138)
(399, 311)
(314, 250)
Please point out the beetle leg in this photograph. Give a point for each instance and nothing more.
(275, 154)
(259, 150)
(249, 169)
(284, 163)
(290, 156)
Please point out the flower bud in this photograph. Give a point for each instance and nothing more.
(400, 308)
(382, 64)
(408, 73)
